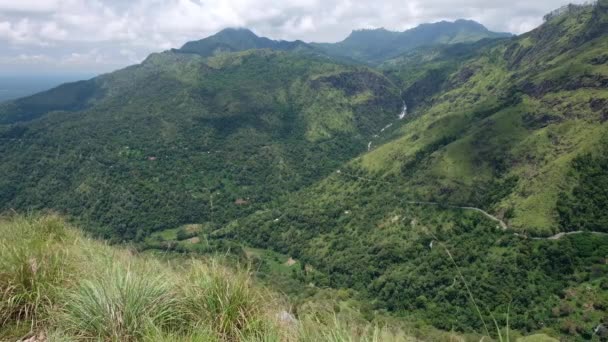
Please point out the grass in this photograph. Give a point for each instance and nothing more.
(120, 304)
(55, 281)
(276, 262)
(57, 284)
(30, 268)
(60, 285)
(225, 300)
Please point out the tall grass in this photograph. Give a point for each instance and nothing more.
(33, 262)
(122, 303)
(55, 281)
(337, 328)
(226, 300)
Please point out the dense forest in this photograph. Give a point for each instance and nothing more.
(207, 140)
(432, 184)
(584, 207)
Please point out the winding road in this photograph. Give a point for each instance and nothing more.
(500, 222)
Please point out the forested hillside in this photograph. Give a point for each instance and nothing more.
(181, 138)
(460, 182)
(516, 128)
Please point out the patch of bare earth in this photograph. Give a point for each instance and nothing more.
(194, 240)
(193, 228)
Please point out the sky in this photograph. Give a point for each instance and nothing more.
(96, 36)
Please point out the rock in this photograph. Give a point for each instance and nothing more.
(36, 338)
(286, 317)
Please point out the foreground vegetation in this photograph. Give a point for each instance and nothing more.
(57, 285)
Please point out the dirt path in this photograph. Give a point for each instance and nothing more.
(559, 235)
(504, 226)
(500, 222)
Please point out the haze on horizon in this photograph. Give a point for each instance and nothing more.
(95, 36)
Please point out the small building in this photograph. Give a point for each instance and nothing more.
(241, 201)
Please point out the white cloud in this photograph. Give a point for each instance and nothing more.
(52, 31)
(35, 6)
(26, 60)
(62, 28)
(21, 31)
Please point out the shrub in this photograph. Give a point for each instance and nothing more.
(225, 300)
(123, 303)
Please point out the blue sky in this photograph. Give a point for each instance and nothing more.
(94, 36)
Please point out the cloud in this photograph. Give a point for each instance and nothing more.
(104, 30)
(51, 31)
(26, 59)
(29, 6)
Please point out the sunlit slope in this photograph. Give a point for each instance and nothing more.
(504, 129)
(517, 130)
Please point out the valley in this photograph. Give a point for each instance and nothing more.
(444, 183)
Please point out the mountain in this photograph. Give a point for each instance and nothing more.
(181, 138)
(370, 46)
(471, 193)
(238, 39)
(479, 201)
(377, 45)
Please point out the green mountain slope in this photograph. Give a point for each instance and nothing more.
(441, 214)
(181, 138)
(507, 124)
(518, 129)
(376, 46)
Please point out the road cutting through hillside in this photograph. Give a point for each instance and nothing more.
(501, 223)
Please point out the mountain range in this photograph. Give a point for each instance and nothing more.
(367, 46)
(394, 164)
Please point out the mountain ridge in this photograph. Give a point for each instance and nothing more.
(377, 45)
(238, 39)
(392, 43)
(240, 116)
(398, 206)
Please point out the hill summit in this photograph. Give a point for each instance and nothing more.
(237, 39)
